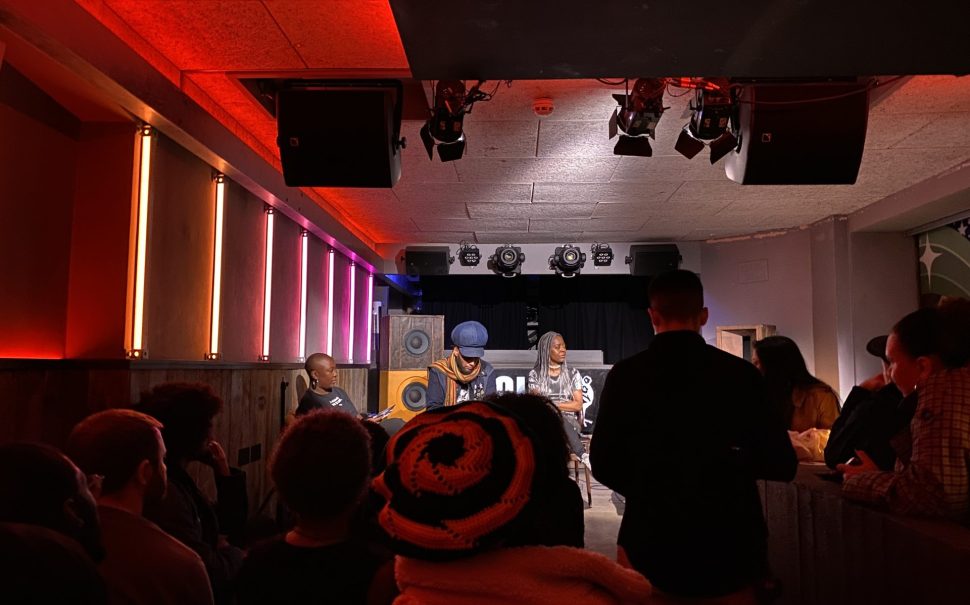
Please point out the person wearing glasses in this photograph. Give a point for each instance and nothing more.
(463, 375)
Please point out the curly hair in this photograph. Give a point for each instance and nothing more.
(186, 410)
(321, 466)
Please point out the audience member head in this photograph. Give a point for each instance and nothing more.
(43, 487)
(877, 348)
(551, 350)
(783, 366)
(677, 302)
(914, 348)
(469, 338)
(955, 315)
(125, 447)
(459, 481)
(378, 441)
(186, 410)
(321, 466)
(544, 420)
(322, 370)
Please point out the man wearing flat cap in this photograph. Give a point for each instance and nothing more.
(463, 375)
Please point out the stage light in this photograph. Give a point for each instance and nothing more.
(304, 245)
(267, 282)
(136, 350)
(445, 127)
(567, 260)
(602, 254)
(507, 260)
(213, 353)
(713, 111)
(637, 117)
(468, 254)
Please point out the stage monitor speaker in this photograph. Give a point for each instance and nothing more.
(800, 134)
(406, 390)
(411, 342)
(427, 260)
(653, 259)
(340, 133)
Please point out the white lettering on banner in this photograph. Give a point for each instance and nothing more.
(588, 396)
(506, 384)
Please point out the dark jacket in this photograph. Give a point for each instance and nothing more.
(186, 515)
(484, 384)
(684, 430)
(868, 422)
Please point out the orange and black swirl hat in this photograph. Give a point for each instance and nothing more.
(458, 481)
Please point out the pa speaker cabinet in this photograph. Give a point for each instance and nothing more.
(340, 134)
(427, 260)
(411, 342)
(653, 259)
(800, 134)
(406, 390)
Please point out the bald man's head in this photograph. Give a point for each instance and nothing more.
(322, 370)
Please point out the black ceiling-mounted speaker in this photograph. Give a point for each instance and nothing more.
(800, 134)
(653, 259)
(340, 133)
(427, 260)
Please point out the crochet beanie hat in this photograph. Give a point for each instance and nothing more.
(458, 481)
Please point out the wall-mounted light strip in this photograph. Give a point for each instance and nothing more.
(304, 244)
(267, 282)
(330, 303)
(213, 353)
(137, 350)
(370, 314)
(350, 323)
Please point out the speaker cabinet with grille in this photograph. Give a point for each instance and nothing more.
(653, 259)
(406, 390)
(427, 260)
(411, 342)
(800, 134)
(340, 133)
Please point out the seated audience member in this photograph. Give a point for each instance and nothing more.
(463, 484)
(49, 531)
(141, 561)
(553, 378)
(872, 415)
(323, 392)
(931, 474)
(321, 469)
(562, 523)
(805, 401)
(186, 412)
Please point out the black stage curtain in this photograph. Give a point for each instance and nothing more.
(498, 303)
(602, 312)
(608, 313)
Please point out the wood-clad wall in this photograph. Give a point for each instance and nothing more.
(43, 400)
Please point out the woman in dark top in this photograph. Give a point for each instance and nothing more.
(321, 469)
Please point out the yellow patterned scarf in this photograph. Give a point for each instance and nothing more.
(451, 367)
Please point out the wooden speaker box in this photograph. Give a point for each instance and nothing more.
(406, 390)
(411, 342)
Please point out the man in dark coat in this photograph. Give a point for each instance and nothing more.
(683, 432)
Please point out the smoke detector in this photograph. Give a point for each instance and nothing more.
(543, 106)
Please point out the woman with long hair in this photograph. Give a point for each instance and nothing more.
(804, 401)
(553, 378)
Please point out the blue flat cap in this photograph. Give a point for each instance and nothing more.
(470, 337)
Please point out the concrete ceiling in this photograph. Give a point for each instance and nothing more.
(523, 179)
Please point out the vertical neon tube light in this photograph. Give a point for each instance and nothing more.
(268, 282)
(137, 350)
(370, 314)
(217, 268)
(350, 324)
(305, 242)
(330, 304)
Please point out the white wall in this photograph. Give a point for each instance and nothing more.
(761, 281)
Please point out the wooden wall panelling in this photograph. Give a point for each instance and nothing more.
(354, 381)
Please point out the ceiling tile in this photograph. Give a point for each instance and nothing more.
(945, 130)
(343, 34)
(529, 170)
(928, 94)
(499, 139)
(575, 139)
(520, 237)
(429, 237)
(556, 225)
(626, 192)
(217, 34)
(487, 211)
(888, 129)
(418, 193)
(668, 168)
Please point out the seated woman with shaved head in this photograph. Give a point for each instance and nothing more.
(323, 392)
